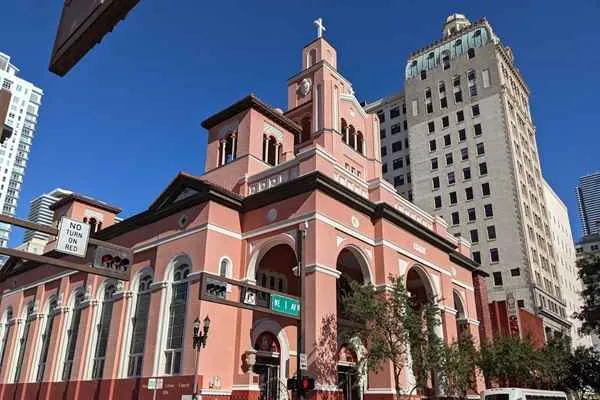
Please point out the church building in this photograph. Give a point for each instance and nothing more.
(280, 188)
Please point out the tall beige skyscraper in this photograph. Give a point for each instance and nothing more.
(459, 141)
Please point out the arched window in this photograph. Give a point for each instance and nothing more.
(72, 334)
(225, 268)
(344, 125)
(271, 150)
(359, 142)
(92, 222)
(471, 52)
(103, 331)
(306, 129)
(140, 324)
(23, 341)
(174, 348)
(446, 59)
(47, 335)
(7, 326)
(351, 136)
(312, 58)
(458, 47)
(228, 149)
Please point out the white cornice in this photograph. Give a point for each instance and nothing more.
(322, 269)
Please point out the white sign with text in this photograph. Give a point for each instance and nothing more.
(73, 237)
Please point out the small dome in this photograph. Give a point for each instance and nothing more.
(278, 110)
(455, 16)
(455, 23)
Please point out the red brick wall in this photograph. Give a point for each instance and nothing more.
(483, 312)
(532, 328)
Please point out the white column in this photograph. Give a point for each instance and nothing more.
(234, 146)
(277, 147)
(223, 147)
(265, 149)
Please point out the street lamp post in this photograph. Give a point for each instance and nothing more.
(199, 340)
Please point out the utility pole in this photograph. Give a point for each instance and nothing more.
(300, 237)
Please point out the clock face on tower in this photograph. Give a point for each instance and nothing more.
(304, 87)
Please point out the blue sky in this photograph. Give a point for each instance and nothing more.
(127, 118)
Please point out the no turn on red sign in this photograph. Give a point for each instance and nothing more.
(73, 237)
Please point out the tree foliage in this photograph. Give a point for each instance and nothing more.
(589, 273)
(426, 347)
(376, 320)
(458, 366)
(388, 326)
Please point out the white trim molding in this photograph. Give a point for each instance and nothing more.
(323, 269)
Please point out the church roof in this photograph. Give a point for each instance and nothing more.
(87, 200)
(255, 103)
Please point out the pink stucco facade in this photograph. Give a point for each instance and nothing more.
(268, 173)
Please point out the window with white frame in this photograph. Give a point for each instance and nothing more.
(225, 267)
(174, 347)
(46, 337)
(7, 328)
(103, 329)
(140, 324)
(72, 334)
(23, 340)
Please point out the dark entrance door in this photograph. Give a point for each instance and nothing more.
(348, 381)
(267, 369)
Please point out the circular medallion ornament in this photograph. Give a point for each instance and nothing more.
(355, 222)
(272, 215)
(304, 87)
(183, 220)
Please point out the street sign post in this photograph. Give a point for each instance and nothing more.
(73, 237)
(285, 305)
(303, 362)
(114, 260)
(155, 383)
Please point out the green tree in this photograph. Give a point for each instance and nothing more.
(387, 325)
(589, 273)
(508, 361)
(584, 371)
(552, 364)
(458, 367)
(376, 320)
(426, 347)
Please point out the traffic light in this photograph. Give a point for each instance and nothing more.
(108, 258)
(216, 288)
(291, 383)
(307, 383)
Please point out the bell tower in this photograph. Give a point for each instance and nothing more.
(322, 102)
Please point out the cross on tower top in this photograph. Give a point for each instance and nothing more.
(320, 27)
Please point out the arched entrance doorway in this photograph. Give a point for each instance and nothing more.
(348, 375)
(425, 333)
(274, 270)
(267, 365)
(353, 268)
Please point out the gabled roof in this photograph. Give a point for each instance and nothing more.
(255, 103)
(185, 185)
